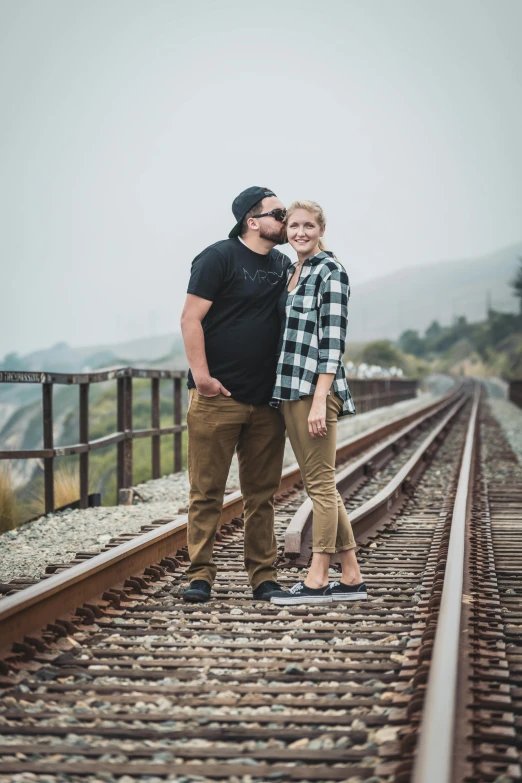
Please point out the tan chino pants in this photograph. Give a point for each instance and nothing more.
(216, 427)
(332, 531)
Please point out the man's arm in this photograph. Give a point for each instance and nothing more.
(194, 311)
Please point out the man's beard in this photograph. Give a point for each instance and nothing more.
(277, 236)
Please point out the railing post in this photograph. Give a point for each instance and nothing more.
(48, 443)
(120, 423)
(155, 421)
(127, 443)
(84, 438)
(177, 420)
(124, 413)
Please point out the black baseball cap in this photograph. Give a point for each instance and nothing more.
(244, 202)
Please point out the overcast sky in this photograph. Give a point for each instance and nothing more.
(128, 127)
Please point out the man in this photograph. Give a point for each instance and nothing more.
(231, 330)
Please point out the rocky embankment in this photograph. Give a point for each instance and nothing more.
(507, 414)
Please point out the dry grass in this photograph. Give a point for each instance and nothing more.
(66, 490)
(9, 509)
(66, 486)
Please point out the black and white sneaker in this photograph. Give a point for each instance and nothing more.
(341, 592)
(301, 594)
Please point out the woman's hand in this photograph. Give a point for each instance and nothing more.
(317, 418)
(317, 415)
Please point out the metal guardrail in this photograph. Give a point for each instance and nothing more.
(371, 393)
(368, 394)
(123, 437)
(515, 392)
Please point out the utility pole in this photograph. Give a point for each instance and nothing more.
(488, 305)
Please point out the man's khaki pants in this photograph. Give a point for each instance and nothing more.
(216, 427)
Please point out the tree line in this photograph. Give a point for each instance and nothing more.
(501, 332)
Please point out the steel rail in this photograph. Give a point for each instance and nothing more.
(32, 608)
(368, 517)
(434, 759)
(62, 593)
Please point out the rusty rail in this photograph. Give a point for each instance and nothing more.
(124, 436)
(62, 593)
(515, 392)
(437, 748)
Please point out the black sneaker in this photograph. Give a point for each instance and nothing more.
(301, 594)
(197, 592)
(266, 590)
(341, 592)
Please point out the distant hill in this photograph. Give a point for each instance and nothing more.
(64, 358)
(165, 351)
(414, 297)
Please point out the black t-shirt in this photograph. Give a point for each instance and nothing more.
(242, 326)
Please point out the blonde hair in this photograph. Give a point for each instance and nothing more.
(315, 209)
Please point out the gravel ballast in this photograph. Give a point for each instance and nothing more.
(56, 538)
(507, 414)
(510, 419)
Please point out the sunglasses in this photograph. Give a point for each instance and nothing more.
(278, 214)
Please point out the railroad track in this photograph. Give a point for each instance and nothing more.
(126, 680)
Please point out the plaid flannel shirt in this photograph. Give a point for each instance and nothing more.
(315, 332)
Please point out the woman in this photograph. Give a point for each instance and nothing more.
(312, 392)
